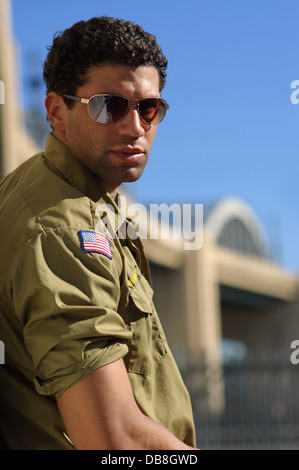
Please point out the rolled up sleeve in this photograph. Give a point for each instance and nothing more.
(68, 302)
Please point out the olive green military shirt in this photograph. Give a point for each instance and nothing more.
(75, 295)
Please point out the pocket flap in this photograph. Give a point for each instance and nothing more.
(140, 292)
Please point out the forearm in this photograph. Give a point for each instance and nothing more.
(100, 413)
(153, 436)
(135, 431)
(142, 434)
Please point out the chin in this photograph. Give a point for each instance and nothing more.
(131, 175)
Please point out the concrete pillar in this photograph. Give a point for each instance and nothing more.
(15, 144)
(204, 321)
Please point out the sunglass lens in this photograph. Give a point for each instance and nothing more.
(152, 110)
(108, 108)
(117, 107)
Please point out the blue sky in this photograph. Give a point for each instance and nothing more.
(232, 129)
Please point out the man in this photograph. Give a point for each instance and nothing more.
(87, 364)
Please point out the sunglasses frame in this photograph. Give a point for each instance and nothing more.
(130, 103)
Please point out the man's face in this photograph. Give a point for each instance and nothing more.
(115, 152)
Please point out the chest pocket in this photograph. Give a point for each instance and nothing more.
(148, 343)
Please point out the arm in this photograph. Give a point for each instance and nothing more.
(100, 412)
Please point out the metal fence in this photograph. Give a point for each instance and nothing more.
(248, 405)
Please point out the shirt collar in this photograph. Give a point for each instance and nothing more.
(73, 170)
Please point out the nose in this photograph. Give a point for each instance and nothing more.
(131, 123)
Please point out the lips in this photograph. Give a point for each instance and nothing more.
(129, 154)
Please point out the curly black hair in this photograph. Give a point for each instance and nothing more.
(98, 41)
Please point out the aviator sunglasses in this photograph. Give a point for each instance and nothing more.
(107, 109)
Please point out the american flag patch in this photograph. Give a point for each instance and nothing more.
(95, 242)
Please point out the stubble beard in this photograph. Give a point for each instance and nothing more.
(107, 172)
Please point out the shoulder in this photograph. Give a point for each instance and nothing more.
(35, 199)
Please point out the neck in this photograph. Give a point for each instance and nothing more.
(110, 188)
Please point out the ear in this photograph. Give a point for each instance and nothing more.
(56, 110)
